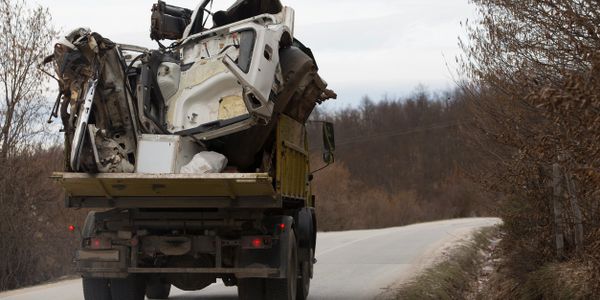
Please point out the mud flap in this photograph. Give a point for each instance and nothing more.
(99, 266)
(305, 233)
(109, 263)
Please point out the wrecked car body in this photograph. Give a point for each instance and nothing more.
(220, 88)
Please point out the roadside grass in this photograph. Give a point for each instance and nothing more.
(567, 280)
(453, 278)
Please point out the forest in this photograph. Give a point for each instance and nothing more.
(399, 161)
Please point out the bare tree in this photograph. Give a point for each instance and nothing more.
(25, 35)
(30, 204)
(534, 95)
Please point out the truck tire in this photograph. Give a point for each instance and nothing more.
(303, 287)
(286, 288)
(96, 289)
(158, 290)
(251, 288)
(130, 288)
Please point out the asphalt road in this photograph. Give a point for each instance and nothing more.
(351, 265)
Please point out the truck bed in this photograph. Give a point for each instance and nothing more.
(130, 190)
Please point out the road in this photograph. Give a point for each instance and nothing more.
(351, 265)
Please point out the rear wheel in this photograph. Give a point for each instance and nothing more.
(131, 288)
(158, 290)
(96, 289)
(285, 289)
(304, 279)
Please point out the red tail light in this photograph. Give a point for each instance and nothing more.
(257, 242)
(71, 228)
(100, 243)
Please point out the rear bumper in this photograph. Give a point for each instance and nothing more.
(106, 272)
(239, 272)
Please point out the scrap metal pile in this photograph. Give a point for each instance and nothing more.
(218, 91)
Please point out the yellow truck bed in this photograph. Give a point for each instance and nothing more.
(168, 190)
(241, 190)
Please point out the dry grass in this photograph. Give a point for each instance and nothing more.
(453, 278)
(569, 280)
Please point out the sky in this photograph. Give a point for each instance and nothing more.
(376, 48)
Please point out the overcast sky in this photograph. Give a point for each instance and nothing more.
(375, 47)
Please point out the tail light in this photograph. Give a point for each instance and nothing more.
(281, 226)
(98, 243)
(257, 242)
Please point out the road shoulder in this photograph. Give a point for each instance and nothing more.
(456, 273)
(49, 285)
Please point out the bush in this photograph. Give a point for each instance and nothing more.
(36, 243)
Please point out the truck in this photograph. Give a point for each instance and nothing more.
(193, 158)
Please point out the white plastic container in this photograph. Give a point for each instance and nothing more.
(164, 154)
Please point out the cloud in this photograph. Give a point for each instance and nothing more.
(376, 46)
